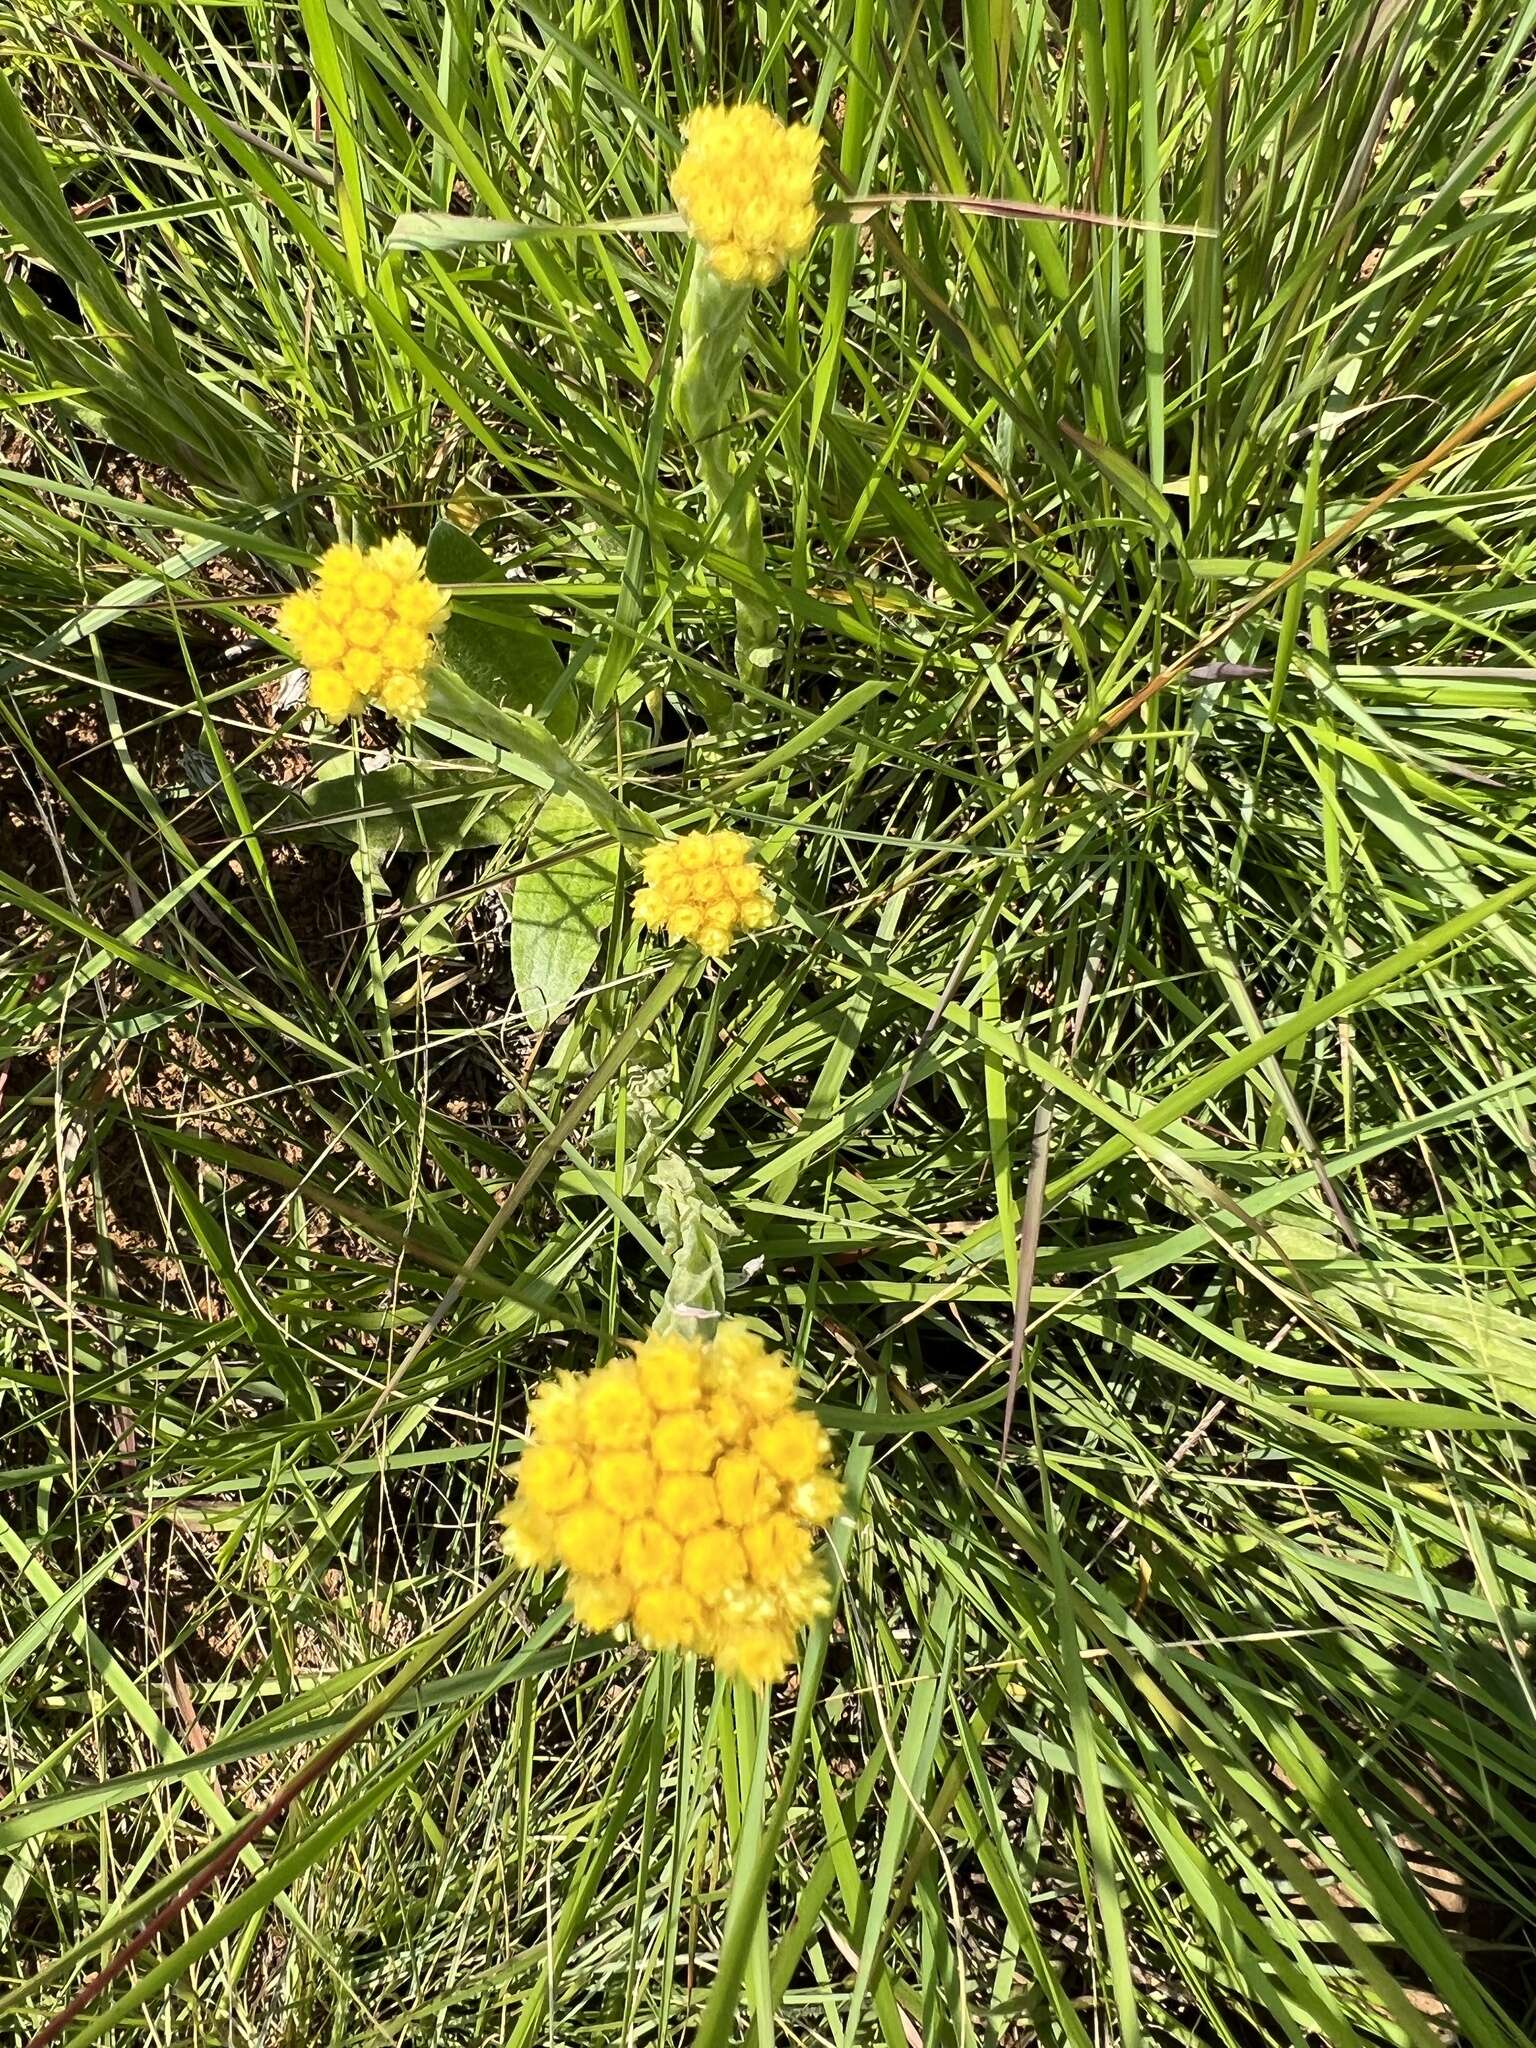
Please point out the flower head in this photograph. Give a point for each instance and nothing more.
(599, 1604)
(364, 629)
(705, 887)
(744, 186)
(682, 1490)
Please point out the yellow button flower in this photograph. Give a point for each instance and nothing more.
(364, 630)
(705, 887)
(624, 1481)
(528, 1535)
(599, 1604)
(552, 1477)
(588, 1540)
(682, 1490)
(669, 1618)
(745, 187)
(685, 1502)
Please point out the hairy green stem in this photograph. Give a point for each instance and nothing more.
(714, 343)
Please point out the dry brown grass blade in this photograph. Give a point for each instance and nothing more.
(1331, 541)
(856, 212)
(1213, 638)
(266, 1816)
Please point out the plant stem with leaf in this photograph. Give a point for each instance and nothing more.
(708, 379)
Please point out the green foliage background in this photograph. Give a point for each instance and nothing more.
(1183, 1078)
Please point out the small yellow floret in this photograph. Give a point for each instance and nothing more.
(364, 629)
(712, 1561)
(729, 1417)
(417, 606)
(589, 1539)
(528, 1535)
(704, 887)
(768, 1389)
(368, 628)
(404, 650)
(805, 1596)
(617, 1414)
(649, 1554)
(624, 1481)
(745, 1488)
(671, 1371)
(552, 1477)
(685, 1502)
(777, 1548)
(737, 1349)
(598, 1604)
(668, 1618)
(759, 1653)
(747, 1372)
(333, 696)
(792, 1446)
(818, 1499)
(304, 613)
(746, 1604)
(403, 694)
(363, 668)
(554, 1413)
(326, 644)
(340, 568)
(400, 559)
(745, 185)
(684, 1443)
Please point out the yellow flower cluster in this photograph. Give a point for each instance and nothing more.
(681, 1489)
(705, 887)
(744, 187)
(364, 630)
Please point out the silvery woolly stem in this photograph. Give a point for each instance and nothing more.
(708, 379)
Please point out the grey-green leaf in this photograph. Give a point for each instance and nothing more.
(494, 644)
(561, 909)
(693, 1225)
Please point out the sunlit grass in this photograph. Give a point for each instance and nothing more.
(1158, 1082)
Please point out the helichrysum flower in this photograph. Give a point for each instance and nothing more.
(744, 187)
(705, 887)
(682, 1489)
(364, 629)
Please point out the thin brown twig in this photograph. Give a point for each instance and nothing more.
(198, 1883)
(857, 211)
(1034, 789)
(219, 1860)
(324, 180)
(1511, 395)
